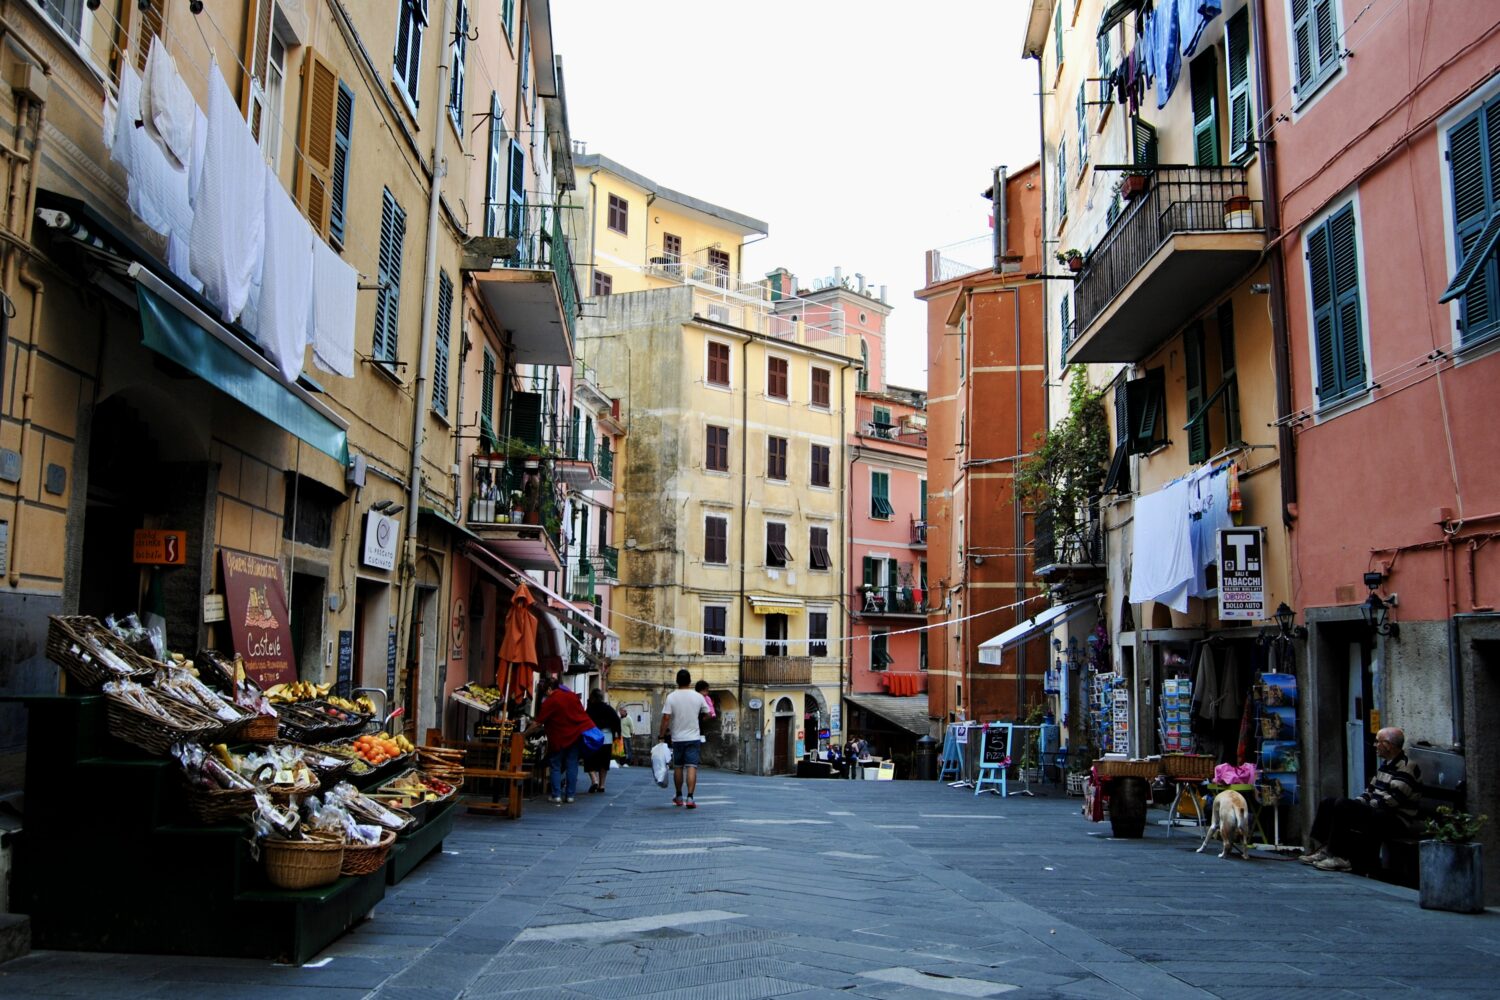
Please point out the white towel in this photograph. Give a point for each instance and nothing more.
(200, 148)
(335, 294)
(286, 288)
(167, 106)
(1161, 548)
(229, 218)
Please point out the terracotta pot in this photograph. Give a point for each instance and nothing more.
(1075, 264)
(1134, 186)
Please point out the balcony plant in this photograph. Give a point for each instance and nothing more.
(1065, 472)
(1452, 876)
(1133, 185)
(1071, 258)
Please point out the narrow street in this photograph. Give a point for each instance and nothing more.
(787, 888)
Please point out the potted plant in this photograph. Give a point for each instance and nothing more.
(1071, 258)
(1452, 866)
(1237, 213)
(1133, 186)
(516, 512)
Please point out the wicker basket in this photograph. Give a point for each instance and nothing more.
(282, 794)
(360, 859)
(302, 864)
(72, 643)
(260, 729)
(1147, 769)
(218, 806)
(1193, 766)
(154, 735)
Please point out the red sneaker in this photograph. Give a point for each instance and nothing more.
(677, 800)
(691, 804)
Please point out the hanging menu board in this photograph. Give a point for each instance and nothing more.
(256, 603)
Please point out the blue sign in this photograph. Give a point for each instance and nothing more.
(346, 664)
(390, 669)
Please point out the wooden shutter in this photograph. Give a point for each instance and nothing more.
(869, 570)
(493, 224)
(1142, 142)
(1192, 343)
(1304, 45)
(1474, 171)
(515, 199)
(487, 390)
(459, 57)
(1326, 22)
(1320, 289)
(1205, 73)
(892, 573)
(1144, 399)
(315, 144)
(1067, 333)
(1118, 478)
(343, 138)
(526, 418)
(1082, 114)
(440, 354)
(151, 24)
(1343, 250)
(388, 299)
(258, 50)
(1227, 369)
(1057, 39)
(1237, 47)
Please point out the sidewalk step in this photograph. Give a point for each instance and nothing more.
(15, 935)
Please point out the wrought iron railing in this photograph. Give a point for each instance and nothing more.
(541, 243)
(1180, 200)
(918, 532)
(1078, 544)
(890, 599)
(606, 560)
(503, 490)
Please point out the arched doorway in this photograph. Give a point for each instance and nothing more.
(814, 719)
(785, 733)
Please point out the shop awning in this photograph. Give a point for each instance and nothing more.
(908, 713)
(992, 651)
(776, 605)
(507, 574)
(443, 516)
(172, 326)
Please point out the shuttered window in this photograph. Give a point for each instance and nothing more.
(716, 540)
(776, 378)
(821, 471)
(1065, 320)
(1241, 108)
(1057, 39)
(151, 21)
(388, 298)
(714, 619)
(880, 655)
(1333, 280)
(458, 49)
(1082, 114)
(822, 381)
(444, 337)
(1474, 170)
(1315, 45)
(487, 397)
(314, 178)
(411, 21)
(817, 633)
(776, 458)
(1118, 478)
(1062, 179)
(777, 554)
(1197, 431)
(880, 496)
(617, 216)
(1146, 411)
(1205, 73)
(1142, 142)
(343, 140)
(494, 171)
(717, 449)
(508, 17)
(718, 364)
(515, 201)
(817, 548)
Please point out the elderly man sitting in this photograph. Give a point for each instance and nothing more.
(1352, 828)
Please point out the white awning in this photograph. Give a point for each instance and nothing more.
(991, 651)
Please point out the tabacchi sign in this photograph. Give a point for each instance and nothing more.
(1242, 574)
(256, 606)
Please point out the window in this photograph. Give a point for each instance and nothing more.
(776, 378)
(487, 399)
(411, 21)
(515, 202)
(817, 633)
(777, 554)
(716, 540)
(864, 369)
(275, 113)
(1146, 405)
(1333, 278)
(718, 363)
(1230, 386)
(388, 299)
(817, 549)
(776, 458)
(822, 388)
(458, 50)
(1315, 45)
(716, 452)
(618, 214)
(671, 248)
(1197, 429)
(1105, 45)
(715, 620)
(776, 634)
(444, 336)
(494, 213)
(508, 17)
(1065, 320)
(1474, 172)
(880, 496)
(343, 136)
(1205, 74)
(1082, 115)
(1062, 178)
(880, 656)
(882, 423)
(1057, 40)
(317, 138)
(718, 262)
(525, 58)
(1241, 107)
(603, 283)
(821, 465)
(68, 15)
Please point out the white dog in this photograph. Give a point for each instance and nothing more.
(1231, 824)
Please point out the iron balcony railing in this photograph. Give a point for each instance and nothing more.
(1180, 199)
(540, 243)
(514, 490)
(777, 670)
(606, 560)
(890, 600)
(1079, 545)
(918, 532)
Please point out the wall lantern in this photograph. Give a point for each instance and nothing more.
(1286, 621)
(1377, 616)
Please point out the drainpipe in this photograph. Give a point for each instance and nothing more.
(28, 394)
(846, 497)
(458, 412)
(1018, 526)
(744, 516)
(998, 204)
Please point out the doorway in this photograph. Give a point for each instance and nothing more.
(1359, 748)
(421, 666)
(776, 633)
(781, 750)
(306, 613)
(373, 637)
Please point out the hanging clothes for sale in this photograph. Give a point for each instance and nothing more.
(229, 219)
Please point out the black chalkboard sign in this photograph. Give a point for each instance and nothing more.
(994, 748)
(346, 664)
(390, 668)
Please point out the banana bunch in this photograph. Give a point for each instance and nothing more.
(362, 704)
(286, 694)
(484, 693)
(405, 745)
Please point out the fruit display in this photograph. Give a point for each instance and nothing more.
(377, 748)
(360, 706)
(286, 694)
(484, 693)
(412, 789)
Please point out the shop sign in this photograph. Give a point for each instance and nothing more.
(4, 547)
(381, 534)
(346, 663)
(256, 603)
(160, 548)
(836, 720)
(1242, 574)
(213, 608)
(390, 667)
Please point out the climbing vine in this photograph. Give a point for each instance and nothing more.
(1066, 469)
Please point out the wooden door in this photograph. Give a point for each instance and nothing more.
(779, 754)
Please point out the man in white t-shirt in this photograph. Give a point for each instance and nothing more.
(680, 716)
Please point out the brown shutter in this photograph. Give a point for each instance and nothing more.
(257, 56)
(151, 28)
(320, 94)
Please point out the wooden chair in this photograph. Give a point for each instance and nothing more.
(500, 763)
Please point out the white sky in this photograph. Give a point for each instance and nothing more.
(861, 132)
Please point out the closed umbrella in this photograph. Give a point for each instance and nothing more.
(517, 654)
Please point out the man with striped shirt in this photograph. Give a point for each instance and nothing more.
(1348, 828)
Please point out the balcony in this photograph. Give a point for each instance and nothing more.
(606, 463)
(889, 601)
(918, 532)
(777, 671)
(533, 294)
(1176, 248)
(514, 510)
(1073, 553)
(606, 560)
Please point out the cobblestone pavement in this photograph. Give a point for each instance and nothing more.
(776, 887)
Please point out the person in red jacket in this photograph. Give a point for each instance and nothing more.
(562, 717)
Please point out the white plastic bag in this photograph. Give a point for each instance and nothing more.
(661, 763)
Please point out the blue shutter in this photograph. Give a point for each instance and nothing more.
(1474, 170)
(1238, 71)
(343, 135)
(444, 335)
(1333, 272)
(388, 299)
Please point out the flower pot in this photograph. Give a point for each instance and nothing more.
(1452, 877)
(1133, 186)
(1238, 214)
(1075, 264)
(517, 516)
(533, 517)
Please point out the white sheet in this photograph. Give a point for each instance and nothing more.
(228, 235)
(335, 294)
(167, 106)
(1162, 548)
(157, 192)
(286, 288)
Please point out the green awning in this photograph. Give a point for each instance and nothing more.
(204, 351)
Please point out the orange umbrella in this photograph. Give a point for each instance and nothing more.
(517, 654)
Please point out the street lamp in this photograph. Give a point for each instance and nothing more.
(1286, 622)
(1377, 616)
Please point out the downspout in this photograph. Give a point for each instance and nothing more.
(28, 393)
(846, 497)
(593, 228)
(429, 311)
(1018, 526)
(458, 412)
(744, 516)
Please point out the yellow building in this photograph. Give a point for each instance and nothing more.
(732, 484)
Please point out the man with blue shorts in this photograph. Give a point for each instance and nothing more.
(679, 717)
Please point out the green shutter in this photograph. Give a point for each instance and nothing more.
(487, 389)
(1205, 73)
(1304, 45)
(1062, 178)
(1240, 108)
(343, 136)
(495, 169)
(1320, 288)
(1057, 41)
(922, 498)
(388, 299)
(1474, 172)
(526, 418)
(1192, 343)
(1227, 368)
(1083, 126)
(1343, 249)
(1315, 43)
(440, 353)
(1063, 314)
(575, 449)
(869, 568)
(1142, 142)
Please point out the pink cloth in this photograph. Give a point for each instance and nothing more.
(710, 703)
(1228, 774)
